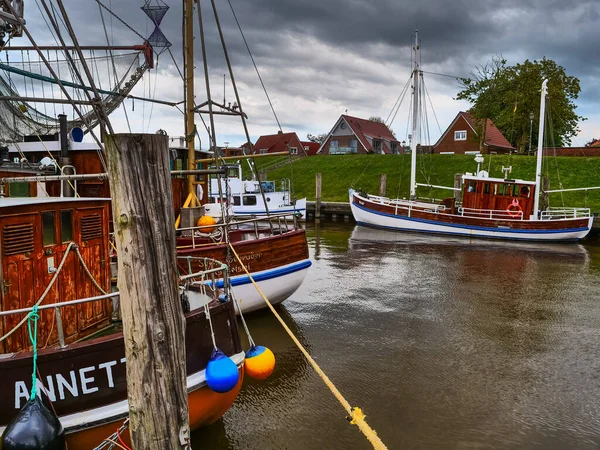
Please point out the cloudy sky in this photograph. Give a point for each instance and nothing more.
(320, 58)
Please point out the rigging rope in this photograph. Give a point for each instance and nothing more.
(355, 414)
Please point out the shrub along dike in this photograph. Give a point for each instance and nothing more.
(340, 172)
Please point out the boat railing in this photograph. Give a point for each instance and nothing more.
(280, 223)
(565, 213)
(210, 271)
(490, 213)
(57, 315)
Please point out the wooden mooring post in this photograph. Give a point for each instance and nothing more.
(153, 322)
(318, 198)
(382, 184)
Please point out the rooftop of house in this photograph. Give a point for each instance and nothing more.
(493, 136)
(313, 147)
(369, 128)
(270, 141)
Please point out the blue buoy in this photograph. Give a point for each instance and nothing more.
(77, 134)
(221, 372)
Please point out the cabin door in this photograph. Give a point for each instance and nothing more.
(90, 233)
(18, 280)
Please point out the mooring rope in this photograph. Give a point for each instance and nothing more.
(355, 414)
(33, 317)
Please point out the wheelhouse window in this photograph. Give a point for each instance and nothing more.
(48, 228)
(66, 225)
(249, 200)
(460, 135)
(486, 188)
(236, 200)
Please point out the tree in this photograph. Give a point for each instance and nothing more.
(510, 96)
(319, 138)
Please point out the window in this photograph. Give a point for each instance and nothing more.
(48, 234)
(264, 151)
(353, 144)
(236, 200)
(293, 151)
(394, 147)
(306, 148)
(249, 200)
(66, 226)
(377, 146)
(486, 188)
(460, 135)
(333, 145)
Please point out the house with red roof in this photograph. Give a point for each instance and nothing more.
(280, 142)
(594, 143)
(462, 137)
(355, 135)
(311, 148)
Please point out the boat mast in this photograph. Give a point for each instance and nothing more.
(188, 61)
(415, 118)
(538, 169)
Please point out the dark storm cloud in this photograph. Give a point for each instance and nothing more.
(356, 54)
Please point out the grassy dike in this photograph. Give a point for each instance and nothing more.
(340, 172)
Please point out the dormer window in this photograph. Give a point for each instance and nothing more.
(460, 135)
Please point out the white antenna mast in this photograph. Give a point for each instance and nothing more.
(415, 118)
(538, 169)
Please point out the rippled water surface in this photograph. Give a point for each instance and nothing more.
(444, 343)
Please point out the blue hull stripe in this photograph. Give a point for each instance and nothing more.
(268, 274)
(458, 233)
(464, 227)
(272, 211)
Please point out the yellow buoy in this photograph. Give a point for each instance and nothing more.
(23, 108)
(204, 221)
(259, 362)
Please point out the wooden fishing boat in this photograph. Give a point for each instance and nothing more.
(277, 259)
(491, 207)
(61, 245)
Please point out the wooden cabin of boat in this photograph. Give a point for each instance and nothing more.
(34, 236)
(498, 194)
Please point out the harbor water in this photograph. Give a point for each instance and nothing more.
(444, 343)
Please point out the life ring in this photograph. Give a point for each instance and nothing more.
(514, 209)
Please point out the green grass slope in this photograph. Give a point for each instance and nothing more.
(340, 172)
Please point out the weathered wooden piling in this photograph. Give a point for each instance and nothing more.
(318, 198)
(153, 322)
(458, 185)
(382, 184)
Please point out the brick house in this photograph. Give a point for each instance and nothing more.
(354, 135)
(461, 137)
(311, 148)
(280, 142)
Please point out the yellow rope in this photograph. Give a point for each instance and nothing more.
(355, 414)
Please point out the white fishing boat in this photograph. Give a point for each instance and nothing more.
(245, 199)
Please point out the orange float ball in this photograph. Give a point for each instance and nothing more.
(204, 221)
(259, 362)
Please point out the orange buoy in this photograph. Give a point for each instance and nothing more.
(205, 221)
(259, 362)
